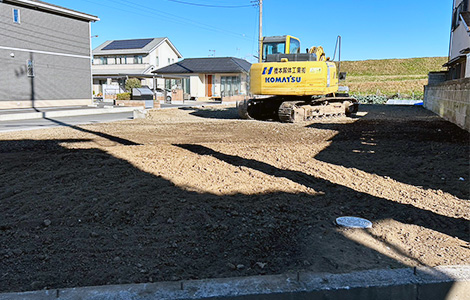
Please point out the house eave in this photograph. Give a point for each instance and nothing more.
(122, 75)
(455, 60)
(54, 9)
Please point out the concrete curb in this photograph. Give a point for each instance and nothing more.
(448, 282)
(199, 103)
(404, 102)
(65, 113)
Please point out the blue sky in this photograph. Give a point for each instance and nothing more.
(370, 29)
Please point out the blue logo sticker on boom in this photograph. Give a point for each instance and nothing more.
(269, 72)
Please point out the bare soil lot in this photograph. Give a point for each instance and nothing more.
(197, 193)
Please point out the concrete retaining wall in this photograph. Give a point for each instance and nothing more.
(450, 100)
(136, 103)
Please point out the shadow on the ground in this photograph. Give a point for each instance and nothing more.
(214, 112)
(110, 137)
(349, 201)
(427, 152)
(81, 217)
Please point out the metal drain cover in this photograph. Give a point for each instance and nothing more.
(353, 222)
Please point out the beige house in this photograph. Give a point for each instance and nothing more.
(208, 78)
(117, 60)
(459, 49)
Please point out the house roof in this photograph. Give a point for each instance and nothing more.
(132, 46)
(44, 6)
(127, 44)
(207, 65)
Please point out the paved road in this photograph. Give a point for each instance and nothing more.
(6, 126)
(32, 124)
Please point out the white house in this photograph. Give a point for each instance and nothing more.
(117, 60)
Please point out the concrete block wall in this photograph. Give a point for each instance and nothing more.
(436, 77)
(450, 100)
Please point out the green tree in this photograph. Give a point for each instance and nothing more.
(133, 83)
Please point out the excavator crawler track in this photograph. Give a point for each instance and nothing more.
(293, 111)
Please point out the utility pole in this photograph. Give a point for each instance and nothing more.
(260, 53)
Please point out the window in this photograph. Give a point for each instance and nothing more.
(137, 59)
(30, 68)
(169, 61)
(273, 48)
(463, 6)
(16, 15)
(294, 46)
(121, 60)
(173, 84)
(104, 60)
(158, 62)
(229, 85)
(187, 85)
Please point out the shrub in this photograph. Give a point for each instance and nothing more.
(371, 99)
(133, 83)
(124, 96)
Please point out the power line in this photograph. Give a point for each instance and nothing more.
(211, 5)
(149, 11)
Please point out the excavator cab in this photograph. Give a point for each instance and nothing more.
(285, 44)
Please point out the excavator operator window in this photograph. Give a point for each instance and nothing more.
(274, 48)
(294, 46)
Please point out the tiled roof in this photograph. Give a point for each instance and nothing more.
(207, 65)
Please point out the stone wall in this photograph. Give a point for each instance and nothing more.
(450, 100)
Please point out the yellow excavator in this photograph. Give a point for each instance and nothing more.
(291, 86)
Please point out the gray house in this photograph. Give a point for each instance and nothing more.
(459, 48)
(448, 93)
(45, 53)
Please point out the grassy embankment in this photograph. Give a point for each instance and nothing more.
(404, 78)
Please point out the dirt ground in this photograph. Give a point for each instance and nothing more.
(198, 193)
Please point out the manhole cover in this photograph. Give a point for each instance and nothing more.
(353, 222)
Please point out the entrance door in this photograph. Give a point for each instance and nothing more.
(209, 86)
